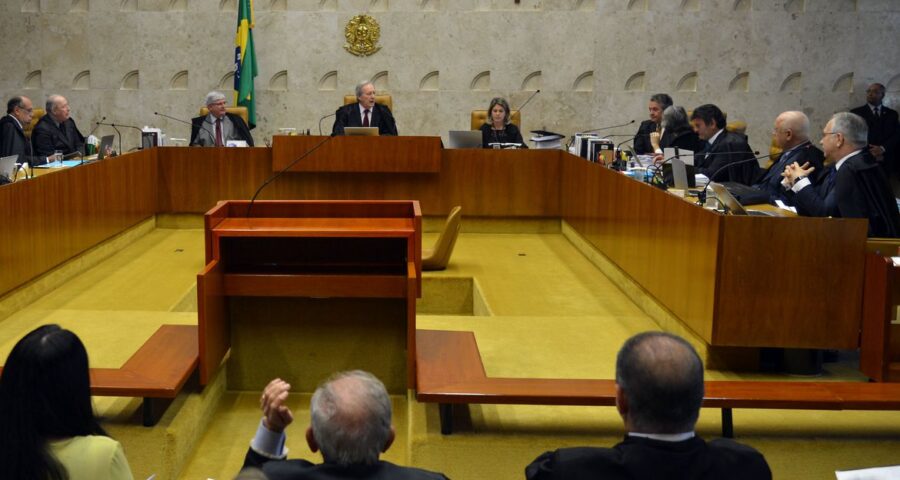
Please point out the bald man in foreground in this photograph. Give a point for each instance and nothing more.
(791, 134)
(350, 423)
(659, 389)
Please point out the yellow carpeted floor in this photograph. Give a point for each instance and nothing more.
(552, 314)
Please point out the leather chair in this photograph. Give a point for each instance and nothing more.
(479, 117)
(737, 127)
(437, 257)
(385, 100)
(36, 115)
(239, 111)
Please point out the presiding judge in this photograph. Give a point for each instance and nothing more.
(218, 126)
(364, 113)
(56, 131)
(497, 129)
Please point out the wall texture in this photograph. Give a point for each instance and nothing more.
(595, 61)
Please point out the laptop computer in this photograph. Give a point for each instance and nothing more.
(8, 167)
(105, 148)
(465, 139)
(732, 204)
(361, 131)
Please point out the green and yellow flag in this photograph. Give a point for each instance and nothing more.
(245, 61)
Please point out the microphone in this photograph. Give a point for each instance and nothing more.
(114, 126)
(608, 128)
(691, 155)
(96, 126)
(285, 169)
(323, 118)
(526, 101)
(202, 124)
(701, 198)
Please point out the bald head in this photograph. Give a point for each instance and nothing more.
(791, 129)
(351, 418)
(660, 378)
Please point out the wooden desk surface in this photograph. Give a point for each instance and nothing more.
(735, 281)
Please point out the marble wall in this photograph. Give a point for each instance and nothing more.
(595, 61)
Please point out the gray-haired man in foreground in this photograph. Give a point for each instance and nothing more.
(350, 423)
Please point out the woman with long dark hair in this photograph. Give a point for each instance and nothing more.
(47, 426)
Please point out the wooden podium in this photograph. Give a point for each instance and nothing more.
(387, 154)
(328, 253)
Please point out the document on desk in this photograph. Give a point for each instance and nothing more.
(60, 164)
(785, 206)
(879, 473)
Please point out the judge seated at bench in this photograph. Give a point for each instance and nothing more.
(364, 113)
(497, 128)
(853, 184)
(218, 127)
(56, 131)
(722, 148)
(659, 389)
(12, 130)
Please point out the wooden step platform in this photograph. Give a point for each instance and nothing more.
(450, 372)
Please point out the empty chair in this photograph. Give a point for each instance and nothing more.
(438, 257)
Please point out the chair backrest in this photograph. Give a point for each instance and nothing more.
(36, 115)
(774, 153)
(239, 111)
(737, 127)
(385, 100)
(443, 247)
(479, 117)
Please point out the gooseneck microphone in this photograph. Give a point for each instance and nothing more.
(323, 118)
(608, 128)
(114, 126)
(281, 172)
(526, 102)
(701, 198)
(202, 124)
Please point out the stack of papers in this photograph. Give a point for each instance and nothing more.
(546, 140)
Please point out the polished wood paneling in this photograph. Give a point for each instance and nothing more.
(735, 281)
(664, 243)
(790, 282)
(489, 183)
(49, 219)
(357, 154)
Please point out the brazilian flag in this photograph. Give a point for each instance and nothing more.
(245, 61)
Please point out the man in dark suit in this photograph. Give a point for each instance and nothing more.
(722, 148)
(350, 423)
(642, 144)
(56, 131)
(218, 126)
(884, 128)
(659, 389)
(364, 113)
(791, 134)
(852, 186)
(12, 134)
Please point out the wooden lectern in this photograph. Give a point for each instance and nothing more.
(300, 266)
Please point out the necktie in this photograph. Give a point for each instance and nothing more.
(830, 180)
(218, 132)
(366, 117)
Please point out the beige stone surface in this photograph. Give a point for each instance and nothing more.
(769, 40)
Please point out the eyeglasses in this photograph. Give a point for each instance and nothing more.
(830, 133)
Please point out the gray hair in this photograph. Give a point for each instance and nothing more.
(360, 85)
(51, 102)
(674, 117)
(661, 377)
(213, 97)
(662, 99)
(852, 127)
(351, 418)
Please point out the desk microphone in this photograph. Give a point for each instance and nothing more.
(114, 126)
(607, 128)
(693, 155)
(323, 118)
(524, 104)
(202, 124)
(285, 169)
(701, 198)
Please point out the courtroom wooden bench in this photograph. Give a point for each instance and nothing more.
(158, 370)
(450, 372)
